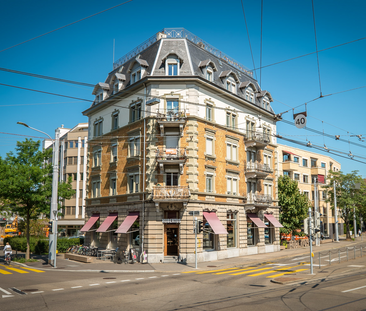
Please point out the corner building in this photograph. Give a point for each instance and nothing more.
(180, 130)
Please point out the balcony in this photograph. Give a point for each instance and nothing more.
(258, 140)
(262, 201)
(317, 170)
(171, 119)
(169, 194)
(171, 156)
(290, 166)
(257, 170)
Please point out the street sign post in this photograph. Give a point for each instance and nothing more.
(300, 121)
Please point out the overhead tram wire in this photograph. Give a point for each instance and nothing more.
(316, 46)
(261, 44)
(250, 45)
(80, 20)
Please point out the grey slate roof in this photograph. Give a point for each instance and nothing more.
(120, 76)
(104, 86)
(142, 62)
(246, 84)
(207, 62)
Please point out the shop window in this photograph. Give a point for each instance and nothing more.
(208, 236)
(231, 229)
(135, 234)
(268, 233)
(251, 233)
(112, 235)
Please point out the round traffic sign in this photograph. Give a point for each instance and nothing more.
(300, 121)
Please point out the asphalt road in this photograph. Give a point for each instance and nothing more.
(337, 287)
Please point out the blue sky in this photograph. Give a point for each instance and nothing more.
(84, 52)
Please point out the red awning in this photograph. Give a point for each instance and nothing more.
(273, 221)
(288, 152)
(215, 223)
(128, 222)
(321, 179)
(107, 222)
(92, 220)
(259, 223)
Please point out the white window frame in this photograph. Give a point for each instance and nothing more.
(249, 94)
(211, 177)
(134, 146)
(231, 183)
(134, 179)
(231, 152)
(231, 120)
(98, 128)
(114, 153)
(209, 110)
(115, 117)
(210, 152)
(96, 188)
(172, 61)
(209, 74)
(303, 175)
(97, 158)
(135, 111)
(113, 186)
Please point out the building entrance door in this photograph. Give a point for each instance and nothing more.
(171, 239)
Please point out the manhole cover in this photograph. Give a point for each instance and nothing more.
(109, 278)
(29, 290)
(211, 266)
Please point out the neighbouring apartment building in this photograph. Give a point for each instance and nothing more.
(305, 167)
(180, 130)
(72, 152)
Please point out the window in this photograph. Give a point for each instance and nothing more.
(75, 160)
(266, 134)
(305, 162)
(313, 163)
(82, 160)
(97, 158)
(69, 160)
(251, 228)
(98, 128)
(172, 109)
(297, 176)
(115, 88)
(114, 153)
(209, 74)
(286, 173)
(115, 121)
(231, 85)
(232, 185)
(209, 146)
(209, 112)
(251, 156)
(296, 159)
(231, 230)
(135, 112)
(250, 129)
(172, 69)
(249, 94)
(231, 152)
(323, 165)
(113, 186)
(305, 179)
(133, 183)
(135, 234)
(134, 146)
(133, 78)
(71, 144)
(324, 195)
(96, 188)
(268, 233)
(306, 194)
(172, 179)
(208, 236)
(231, 120)
(266, 104)
(138, 75)
(209, 183)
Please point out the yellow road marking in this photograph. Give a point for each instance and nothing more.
(276, 270)
(5, 272)
(14, 269)
(235, 270)
(280, 274)
(34, 270)
(250, 271)
(216, 270)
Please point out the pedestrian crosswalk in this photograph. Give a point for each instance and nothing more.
(268, 271)
(4, 269)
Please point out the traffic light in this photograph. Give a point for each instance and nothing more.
(50, 226)
(200, 226)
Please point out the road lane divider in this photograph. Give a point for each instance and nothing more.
(230, 271)
(250, 271)
(281, 274)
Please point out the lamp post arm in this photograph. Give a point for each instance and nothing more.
(42, 133)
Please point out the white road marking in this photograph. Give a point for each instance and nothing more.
(94, 284)
(5, 291)
(110, 282)
(152, 277)
(38, 292)
(76, 286)
(279, 264)
(336, 259)
(356, 266)
(300, 258)
(176, 274)
(164, 276)
(56, 289)
(125, 280)
(139, 279)
(316, 265)
(7, 296)
(349, 290)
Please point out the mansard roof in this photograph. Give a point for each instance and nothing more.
(207, 62)
(100, 85)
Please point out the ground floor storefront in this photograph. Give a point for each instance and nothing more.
(228, 230)
(69, 228)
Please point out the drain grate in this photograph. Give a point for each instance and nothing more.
(18, 291)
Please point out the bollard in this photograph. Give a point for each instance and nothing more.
(319, 260)
(354, 251)
(347, 252)
(330, 262)
(339, 255)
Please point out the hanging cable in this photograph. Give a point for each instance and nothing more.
(261, 43)
(316, 46)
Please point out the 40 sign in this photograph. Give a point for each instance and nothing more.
(300, 120)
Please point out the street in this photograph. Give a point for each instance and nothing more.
(334, 287)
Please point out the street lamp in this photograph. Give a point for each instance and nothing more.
(54, 198)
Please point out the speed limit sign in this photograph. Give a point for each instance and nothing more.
(300, 121)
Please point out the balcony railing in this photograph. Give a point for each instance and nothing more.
(258, 167)
(260, 199)
(173, 193)
(171, 154)
(172, 115)
(258, 137)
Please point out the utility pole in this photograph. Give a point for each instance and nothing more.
(354, 222)
(316, 224)
(335, 212)
(310, 243)
(195, 243)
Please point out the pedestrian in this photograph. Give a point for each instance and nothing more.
(359, 232)
(7, 249)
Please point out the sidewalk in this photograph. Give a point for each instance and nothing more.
(110, 267)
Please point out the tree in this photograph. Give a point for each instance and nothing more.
(294, 205)
(26, 182)
(348, 196)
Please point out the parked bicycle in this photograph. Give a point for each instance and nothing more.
(8, 258)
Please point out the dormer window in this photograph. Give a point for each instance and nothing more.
(266, 103)
(115, 88)
(172, 64)
(231, 85)
(249, 94)
(209, 74)
(230, 79)
(99, 98)
(172, 69)
(100, 92)
(117, 82)
(208, 67)
(137, 69)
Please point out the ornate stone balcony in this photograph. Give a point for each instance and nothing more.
(257, 170)
(255, 139)
(171, 119)
(261, 201)
(167, 194)
(171, 156)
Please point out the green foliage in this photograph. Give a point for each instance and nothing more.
(19, 243)
(41, 246)
(26, 182)
(23, 260)
(294, 205)
(349, 199)
(64, 244)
